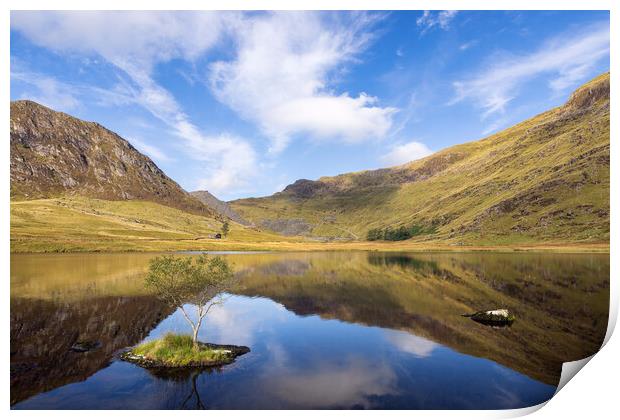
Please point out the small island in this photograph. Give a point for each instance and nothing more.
(179, 351)
(179, 281)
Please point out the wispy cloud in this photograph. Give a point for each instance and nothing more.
(406, 152)
(495, 125)
(140, 37)
(430, 20)
(46, 90)
(280, 78)
(148, 149)
(233, 162)
(137, 43)
(565, 59)
(467, 45)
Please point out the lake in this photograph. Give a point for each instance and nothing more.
(326, 330)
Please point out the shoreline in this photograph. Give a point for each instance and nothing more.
(252, 247)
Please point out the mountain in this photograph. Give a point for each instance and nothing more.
(54, 154)
(219, 206)
(545, 179)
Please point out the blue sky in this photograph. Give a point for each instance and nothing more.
(243, 104)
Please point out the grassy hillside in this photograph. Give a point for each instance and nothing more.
(87, 224)
(542, 184)
(543, 180)
(72, 224)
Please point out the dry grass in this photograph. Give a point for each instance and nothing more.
(174, 350)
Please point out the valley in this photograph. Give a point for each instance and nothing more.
(542, 184)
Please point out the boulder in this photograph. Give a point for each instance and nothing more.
(495, 317)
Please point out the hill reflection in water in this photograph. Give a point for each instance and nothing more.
(328, 330)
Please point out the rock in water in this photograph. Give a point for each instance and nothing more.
(84, 346)
(496, 317)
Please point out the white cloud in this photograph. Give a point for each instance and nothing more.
(567, 59)
(326, 117)
(47, 91)
(230, 161)
(148, 149)
(429, 20)
(467, 45)
(135, 42)
(139, 37)
(281, 78)
(233, 164)
(406, 152)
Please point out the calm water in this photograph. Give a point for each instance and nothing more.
(326, 330)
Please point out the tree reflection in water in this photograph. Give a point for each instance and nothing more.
(184, 377)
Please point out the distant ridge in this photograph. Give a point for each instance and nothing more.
(544, 179)
(219, 206)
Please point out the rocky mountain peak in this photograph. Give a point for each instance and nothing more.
(53, 154)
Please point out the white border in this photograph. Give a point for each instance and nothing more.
(593, 393)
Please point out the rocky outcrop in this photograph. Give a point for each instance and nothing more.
(589, 94)
(53, 154)
(219, 206)
(287, 227)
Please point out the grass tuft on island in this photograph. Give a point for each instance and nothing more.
(178, 351)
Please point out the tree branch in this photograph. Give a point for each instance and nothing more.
(187, 317)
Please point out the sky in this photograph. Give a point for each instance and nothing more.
(244, 103)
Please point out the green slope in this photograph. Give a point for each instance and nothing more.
(543, 180)
(74, 223)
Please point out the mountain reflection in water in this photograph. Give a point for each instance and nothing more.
(327, 330)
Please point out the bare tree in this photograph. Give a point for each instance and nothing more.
(200, 281)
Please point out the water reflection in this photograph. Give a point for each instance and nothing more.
(327, 330)
(44, 332)
(351, 383)
(561, 301)
(401, 261)
(418, 346)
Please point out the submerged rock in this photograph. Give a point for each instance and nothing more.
(496, 317)
(84, 346)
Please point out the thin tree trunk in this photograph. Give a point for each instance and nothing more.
(187, 317)
(195, 339)
(201, 315)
